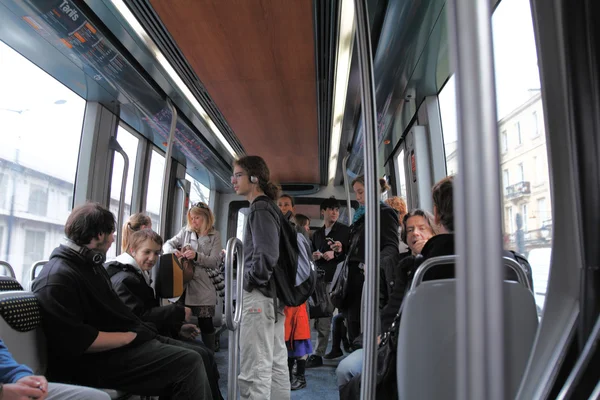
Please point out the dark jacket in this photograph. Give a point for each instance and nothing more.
(77, 301)
(339, 232)
(388, 251)
(138, 296)
(261, 245)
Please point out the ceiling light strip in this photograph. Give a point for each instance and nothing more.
(175, 78)
(342, 72)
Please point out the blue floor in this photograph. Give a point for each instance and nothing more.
(321, 381)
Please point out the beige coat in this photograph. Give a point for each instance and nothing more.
(200, 291)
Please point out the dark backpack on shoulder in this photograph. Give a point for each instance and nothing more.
(295, 276)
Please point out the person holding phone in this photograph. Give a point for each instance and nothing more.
(326, 260)
(200, 243)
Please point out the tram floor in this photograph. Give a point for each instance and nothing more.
(321, 381)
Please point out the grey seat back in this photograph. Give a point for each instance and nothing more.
(21, 330)
(426, 362)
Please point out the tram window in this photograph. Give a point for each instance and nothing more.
(40, 126)
(198, 192)
(527, 229)
(447, 101)
(155, 182)
(129, 143)
(401, 174)
(241, 223)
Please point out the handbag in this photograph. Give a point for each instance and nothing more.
(217, 277)
(320, 305)
(386, 386)
(339, 285)
(187, 267)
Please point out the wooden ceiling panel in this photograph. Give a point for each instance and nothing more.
(256, 59)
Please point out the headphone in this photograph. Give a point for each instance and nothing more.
(94, 257)
(253, 179)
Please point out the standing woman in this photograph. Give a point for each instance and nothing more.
(200, 243)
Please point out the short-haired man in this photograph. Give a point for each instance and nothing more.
(93, 337)
(327, 260)
(263, 354)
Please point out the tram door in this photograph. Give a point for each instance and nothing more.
(417, 167)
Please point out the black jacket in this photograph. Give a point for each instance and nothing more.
(389, 256)
(77, 301)
(138, 296)
(339, 232)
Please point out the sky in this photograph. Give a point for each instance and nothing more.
(515, 64)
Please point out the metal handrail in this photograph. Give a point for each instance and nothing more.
(181, 187)
(347, 187)
(443, 260)
(164, 193)
(34, 267)
(9, 268)
(234, 247)
(371, 286)
(114, 145)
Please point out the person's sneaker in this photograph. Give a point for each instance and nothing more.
(299, 382)
(333, 354)
(313, 361)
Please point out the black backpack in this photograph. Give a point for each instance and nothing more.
(295, 276)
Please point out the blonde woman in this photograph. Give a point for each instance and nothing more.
(200, 243)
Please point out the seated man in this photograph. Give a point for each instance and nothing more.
(93, 338)
(417, 229)
(17, 381)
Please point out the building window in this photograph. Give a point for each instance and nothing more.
(541, 211)
(535, 130)
(524, 215)
(3, 189)
(506, 178)
(511, 221)
(518, 133)
(504, 143)
(38, 200)
(34, 247)
(521, 172)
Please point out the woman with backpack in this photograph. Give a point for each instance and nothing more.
(297, 327)
(200, 243)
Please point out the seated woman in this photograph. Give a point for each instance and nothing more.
(200, 242)
(129, 274)
(418, 228)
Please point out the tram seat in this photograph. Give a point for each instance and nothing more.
(21, 331)
(8, 284)
(426, 362)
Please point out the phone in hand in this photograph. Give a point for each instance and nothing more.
(329, 241)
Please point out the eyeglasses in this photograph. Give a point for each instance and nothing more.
(200, 205)
(237, 176)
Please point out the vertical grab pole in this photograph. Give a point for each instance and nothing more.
(114, 145)
(234, 246)
(367, 92)
(479, 300)
(164, 194)
(347, 187)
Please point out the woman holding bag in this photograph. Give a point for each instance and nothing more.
(200, 243)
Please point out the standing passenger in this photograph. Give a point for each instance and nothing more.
(327, 260)
(263, 367)
(287, 205)
(93, 337)
(200, 243)
(297, 327)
